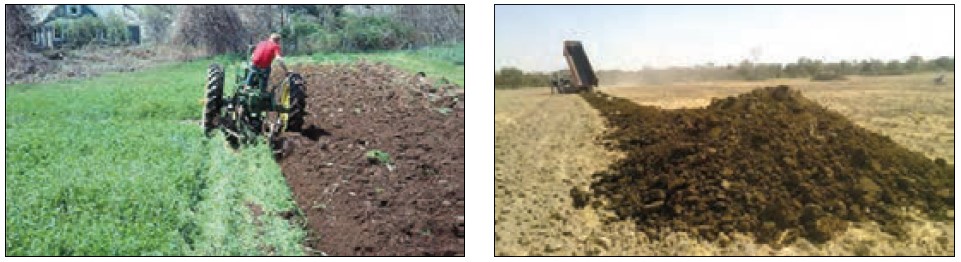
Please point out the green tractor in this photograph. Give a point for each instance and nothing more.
(252, 112)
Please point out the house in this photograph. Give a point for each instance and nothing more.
(48, 35)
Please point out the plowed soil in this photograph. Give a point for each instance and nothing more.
(770, 162)
(356, 206)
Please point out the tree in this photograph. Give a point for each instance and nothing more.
(258, 21)
(914, 64)
(845, 68)
(871, 67)
(508, 77)
(894, 67)
(432, 24)
(157, 21)
(944, 63)
(214, 29)
(18, 26)
(116, 29)
(746, 70)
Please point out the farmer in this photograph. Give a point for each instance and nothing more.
(265, 53)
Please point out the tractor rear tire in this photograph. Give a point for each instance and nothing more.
(298, 103)
(213, 97)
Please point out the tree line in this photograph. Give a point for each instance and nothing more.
(815, 69)
(220, 29)
(308, 29)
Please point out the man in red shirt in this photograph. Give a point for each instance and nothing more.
(265, 52)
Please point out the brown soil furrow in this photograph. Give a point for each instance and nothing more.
(358, 207)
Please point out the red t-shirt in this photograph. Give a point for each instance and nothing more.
(265, 53)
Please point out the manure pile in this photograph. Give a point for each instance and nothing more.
(407, 202)
(769, 162)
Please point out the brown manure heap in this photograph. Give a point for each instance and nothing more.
(769, 163)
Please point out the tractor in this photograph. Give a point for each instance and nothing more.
(251, 112)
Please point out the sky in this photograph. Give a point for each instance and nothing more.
(634, 37)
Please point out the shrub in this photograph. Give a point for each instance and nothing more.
(374, 33)
(81, 31)
(116, 29)
(828, 76)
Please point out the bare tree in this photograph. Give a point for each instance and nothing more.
(19, 20)
(433, 24)
(327, 15)
(258, 21)
(215, 29)
(19, 61)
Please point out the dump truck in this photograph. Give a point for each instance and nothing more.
(580, 75)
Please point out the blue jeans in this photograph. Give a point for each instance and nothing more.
(261, 74)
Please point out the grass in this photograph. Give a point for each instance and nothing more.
(116, 165)
(440, 61)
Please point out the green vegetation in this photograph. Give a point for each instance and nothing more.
(437, 62)
(117, 165)
(510, 78)
(88, 29)
(374, 33)
(329, 28)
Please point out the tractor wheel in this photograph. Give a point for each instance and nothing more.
(213, 97)
(297, 104)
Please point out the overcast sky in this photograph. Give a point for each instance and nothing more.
(631, 37)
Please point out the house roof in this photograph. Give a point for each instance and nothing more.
(128, 13)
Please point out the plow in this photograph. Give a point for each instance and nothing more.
(250, 112)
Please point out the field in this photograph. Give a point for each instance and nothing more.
(411, 205)
(534, 210)
(446, 61)
(117, 165)
(102, 167)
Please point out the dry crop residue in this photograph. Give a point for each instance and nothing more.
(355, 206)
(768, 162)
(543, 147)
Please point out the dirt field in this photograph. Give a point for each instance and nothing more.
(354, 206)
(535, 215)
